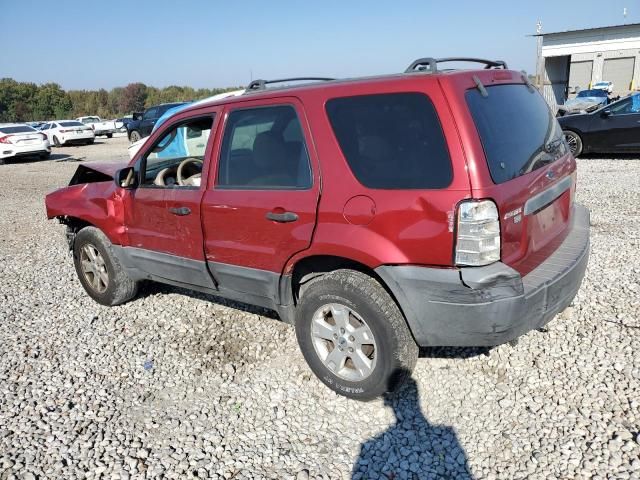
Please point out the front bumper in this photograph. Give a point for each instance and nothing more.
(485, 306)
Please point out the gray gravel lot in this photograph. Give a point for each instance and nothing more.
(181, 385)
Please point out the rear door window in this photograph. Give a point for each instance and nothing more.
(518, 132)
(264, 148)
(392, 141)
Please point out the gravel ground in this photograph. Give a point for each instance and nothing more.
(183, 385)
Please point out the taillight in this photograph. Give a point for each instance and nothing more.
(44, 137)
(5, 139)
(64, 131)
(478, 233)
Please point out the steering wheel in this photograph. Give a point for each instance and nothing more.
(185, 181)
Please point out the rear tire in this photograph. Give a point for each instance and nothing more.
(134, 136)
(90, 142)
(56, 142)
(109, 135)
(1, 161)
(99, 270)
(574, 141)
(353, 335)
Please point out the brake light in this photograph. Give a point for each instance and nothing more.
(44, 137)
(478, 233)
(5, 139)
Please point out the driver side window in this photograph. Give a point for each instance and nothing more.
(176, 158)
(628, 105)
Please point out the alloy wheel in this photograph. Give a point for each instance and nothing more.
(94, 268)
(343, 342)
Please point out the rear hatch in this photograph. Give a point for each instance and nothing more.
(518, 158)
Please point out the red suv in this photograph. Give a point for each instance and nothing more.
(433, 207)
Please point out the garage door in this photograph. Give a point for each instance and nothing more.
(580, 75)
(620, 72)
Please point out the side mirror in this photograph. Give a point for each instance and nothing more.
(137, 116)
(605, 113)
(125, 178)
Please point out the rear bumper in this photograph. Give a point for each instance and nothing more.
(485, 306)
(8, 151)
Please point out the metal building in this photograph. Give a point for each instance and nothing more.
(576, 59)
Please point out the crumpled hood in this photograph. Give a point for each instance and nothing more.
(92, 172)
(108, 168)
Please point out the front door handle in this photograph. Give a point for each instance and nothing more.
(180, 211)
(284, 217)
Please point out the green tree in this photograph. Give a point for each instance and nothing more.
(51, 102)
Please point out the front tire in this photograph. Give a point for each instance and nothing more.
(353, 335)
(574, 141)
(134, 136)
(109, 135)
(99, 270)
(45, 156)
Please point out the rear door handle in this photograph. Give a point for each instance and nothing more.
(285, 217)
(180, 211)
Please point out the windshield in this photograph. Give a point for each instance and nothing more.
(592, 93)
(71, 124)
(518, 132)
(91, 119)
(17, 129)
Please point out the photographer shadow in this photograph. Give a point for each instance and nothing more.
(411, 448)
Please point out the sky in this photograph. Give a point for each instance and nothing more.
(207, 44)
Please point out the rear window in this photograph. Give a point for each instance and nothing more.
(71, 124)
(518, 132)
(17, 129)
(392, 141)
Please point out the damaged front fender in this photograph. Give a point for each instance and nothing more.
(91, 198)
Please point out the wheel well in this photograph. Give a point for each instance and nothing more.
(74, 225)
(317, 265)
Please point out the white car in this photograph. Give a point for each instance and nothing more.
(607, 86)
(101, 127)
(18, 140)
(63, 132)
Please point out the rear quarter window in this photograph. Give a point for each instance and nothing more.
(392, 141)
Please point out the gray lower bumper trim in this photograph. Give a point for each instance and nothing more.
(486, 306)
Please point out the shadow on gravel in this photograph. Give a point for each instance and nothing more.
(453, 352)
(609, 156)
(28, 160)
(148, 289)
(412, 448)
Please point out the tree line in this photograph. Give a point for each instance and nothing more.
(26, 101)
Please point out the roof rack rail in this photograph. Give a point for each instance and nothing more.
(262, 84)
(431, 64)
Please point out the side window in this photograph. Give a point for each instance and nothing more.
(46, 126)
(628, 105)
(150, 114)
(176, 158)
(264, 148)
(392, 141)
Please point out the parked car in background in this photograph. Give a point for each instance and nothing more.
(101, 127)
(21, 140)
(606, 86)
(430, 208)
(63, 132)
(126, 120)
(142, 125)
(135, 146)
(585, 101)
(614, 128)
